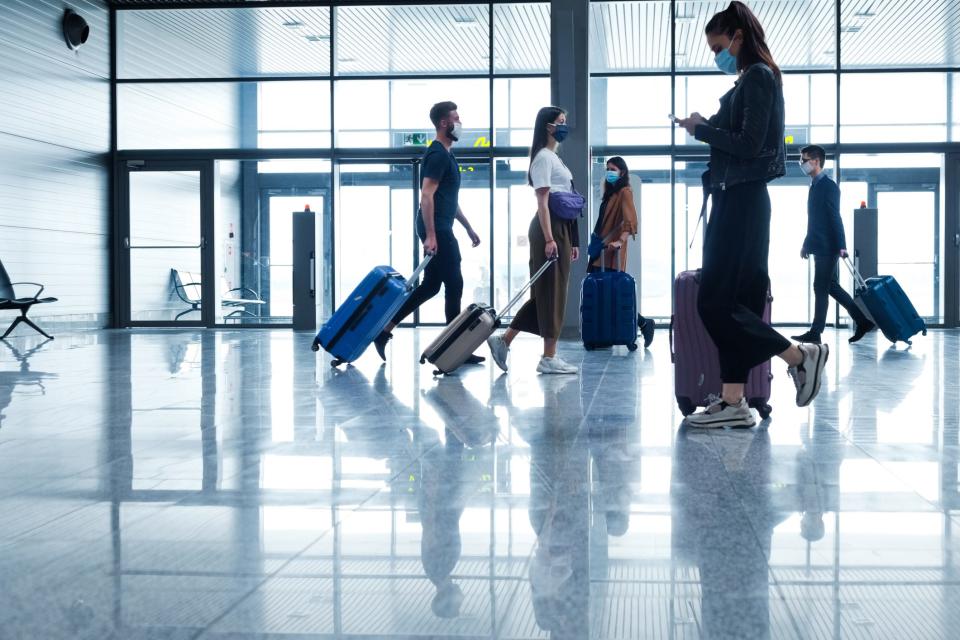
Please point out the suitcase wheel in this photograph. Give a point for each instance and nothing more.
(423, 359)
(761, 406)
(686, 406)
(588, 346)
(924, 332)
(315, 345)
(632, 346)
(336, 362)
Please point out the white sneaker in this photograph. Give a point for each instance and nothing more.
(807, 375)
(720, 414)
(498, 351)
(555, 365)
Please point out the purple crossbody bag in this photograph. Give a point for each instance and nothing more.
(567, 205)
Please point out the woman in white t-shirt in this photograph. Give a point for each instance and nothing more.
(549, 236)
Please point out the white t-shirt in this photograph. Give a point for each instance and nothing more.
(548, 170)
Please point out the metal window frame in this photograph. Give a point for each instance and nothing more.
(949, 148)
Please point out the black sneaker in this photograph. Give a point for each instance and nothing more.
(474, 359)
(809, 337)
(380, 344)
(862, 330)
(647, 327)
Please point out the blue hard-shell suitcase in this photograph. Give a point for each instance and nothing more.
(365, 312)
(889, 306)
(608, 310)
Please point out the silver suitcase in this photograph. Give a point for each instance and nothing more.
(469, 330)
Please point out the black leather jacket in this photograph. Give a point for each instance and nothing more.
(746, 135)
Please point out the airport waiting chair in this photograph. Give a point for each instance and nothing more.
(188, 288)
(10, 302)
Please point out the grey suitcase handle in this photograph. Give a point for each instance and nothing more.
(603, 263)
(524, 288)
(412, 280)
(857, 278)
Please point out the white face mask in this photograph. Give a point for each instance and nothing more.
(455, 133)
(807, 167)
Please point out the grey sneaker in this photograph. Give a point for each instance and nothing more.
(720, 414)
(555, 365)
(807, 375)
(498, 351)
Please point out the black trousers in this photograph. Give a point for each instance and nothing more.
(444, 269)
(826, 285)
(735, 280)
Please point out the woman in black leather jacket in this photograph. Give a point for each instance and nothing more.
(746, 138)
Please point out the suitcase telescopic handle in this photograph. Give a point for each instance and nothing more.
(603, 261)
(412, 280)
(857, 278)
(515, 299)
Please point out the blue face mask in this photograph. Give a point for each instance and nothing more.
(726, 62)
(560, 132)
(613, 176)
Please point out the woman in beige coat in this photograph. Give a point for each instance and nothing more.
(616, 225)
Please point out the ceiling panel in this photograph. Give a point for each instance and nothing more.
(630, 36)
(210, 43)
(894, 33)
(418, 39)
(635, 36)
(521, 38)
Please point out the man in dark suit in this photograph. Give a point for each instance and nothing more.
(827, 243)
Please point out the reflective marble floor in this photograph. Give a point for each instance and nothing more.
(232, 485)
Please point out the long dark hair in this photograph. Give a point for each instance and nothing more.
(754, 47)
(624, 181)
(545, 116)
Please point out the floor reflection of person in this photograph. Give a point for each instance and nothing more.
(818, 477)
(441, 506)
(559, 507)
(446, 486)
(727, 533)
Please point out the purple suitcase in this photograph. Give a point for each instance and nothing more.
(696, 363)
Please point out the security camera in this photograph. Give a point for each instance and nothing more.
(75, 29)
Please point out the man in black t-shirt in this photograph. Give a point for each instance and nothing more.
(439, 207)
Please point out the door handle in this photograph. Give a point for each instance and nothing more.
(313, 277)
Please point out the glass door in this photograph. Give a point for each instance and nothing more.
(908, 243)
(163, 249)
(374, 221)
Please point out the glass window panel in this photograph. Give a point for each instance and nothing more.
(902, 187)
(618, 118)
(220, 43)
(397, 39)
(699, 94)
(875, 33)
(811, 113)
(376, 206)
(515, 105)
(301, 107)
(362, 121)
(178, 116)
(521, 38)
(630, 36)
(801, 35)
(954, 107)
(514, 207)
(811, 101)
(893, 107)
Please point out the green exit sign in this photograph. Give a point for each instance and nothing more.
(415, 139)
